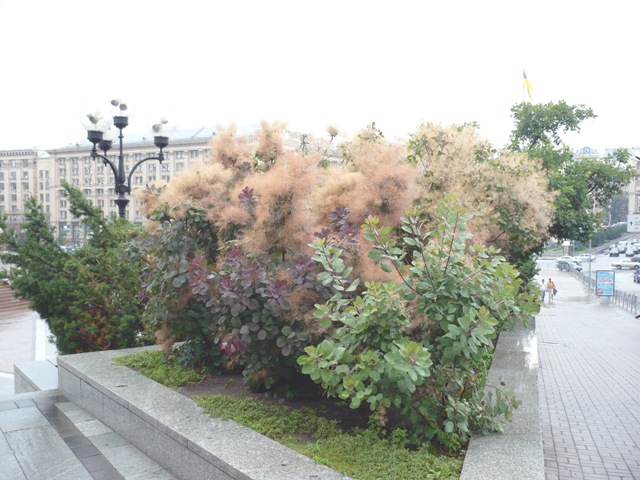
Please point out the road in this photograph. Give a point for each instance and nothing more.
(623, 278)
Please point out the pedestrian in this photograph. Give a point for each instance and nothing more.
(543, 290)
(551, 288)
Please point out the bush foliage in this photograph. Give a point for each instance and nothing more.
(91, 297)
(354, 271)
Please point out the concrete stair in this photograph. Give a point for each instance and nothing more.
(8, 301)
(44, 436)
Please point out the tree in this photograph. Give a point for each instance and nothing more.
(89, 297)
(505, 190)
(581, 185)
(420, 346)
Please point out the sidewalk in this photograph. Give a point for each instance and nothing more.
(589, 385)
(23, 338)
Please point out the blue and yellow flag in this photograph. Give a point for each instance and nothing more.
(527, 85)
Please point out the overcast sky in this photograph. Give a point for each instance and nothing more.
(315, 63)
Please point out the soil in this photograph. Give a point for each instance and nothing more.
(232, 385)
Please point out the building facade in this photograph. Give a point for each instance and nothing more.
(25, 173)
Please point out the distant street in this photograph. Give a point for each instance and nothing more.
(623, 278)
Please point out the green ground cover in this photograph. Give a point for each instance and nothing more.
(363, 454)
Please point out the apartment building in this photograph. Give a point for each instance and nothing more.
(25, 173)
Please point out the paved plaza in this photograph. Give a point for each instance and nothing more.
(589, 385)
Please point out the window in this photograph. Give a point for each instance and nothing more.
(61, 161)
(152, 178)
(13, 164)
(63, 204)
(12, 175)
(87, 181)
(87, 170)
(63, 172)
(87, 160)
(25, 185)
(166, 167)
(25, 197)
(75, 182)
(100, 169)
(75, 170)
(46, 208)
(1, 187)
(178, 154)
(46, 197)
(25, 162)
(152, 167)
(179, 166)
(14, 208)
(25, 175)
(1, 175)
(166, 178)
(101, 181)
(101, 203)
(138, 181)
(87, 192)
(1, 197)
(74, 161)
(63, 214)
(14, 197)
(194, 154)
(138, 157)
(14, 187)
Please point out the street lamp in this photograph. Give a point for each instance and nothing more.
(101, 135)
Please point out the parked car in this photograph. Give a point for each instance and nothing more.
(567, 258)
(622, 246)
(613, 252)
(636, 258)
(625, 263)
(586, 257)
(630, 252)
(633, 241)
(568, 265)
(636, 275)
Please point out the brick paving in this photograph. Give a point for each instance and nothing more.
(589, 386)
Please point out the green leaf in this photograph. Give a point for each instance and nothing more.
(375, 255)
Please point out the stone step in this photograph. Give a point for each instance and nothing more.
(44, 436)
(9, 302)
(31, 447)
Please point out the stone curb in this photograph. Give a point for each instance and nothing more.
(172, 430)
(517, 452)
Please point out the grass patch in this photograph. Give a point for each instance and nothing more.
(361, 454)
(367, 454)
(159, 367)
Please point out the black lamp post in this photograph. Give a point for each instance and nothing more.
(100, 134)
